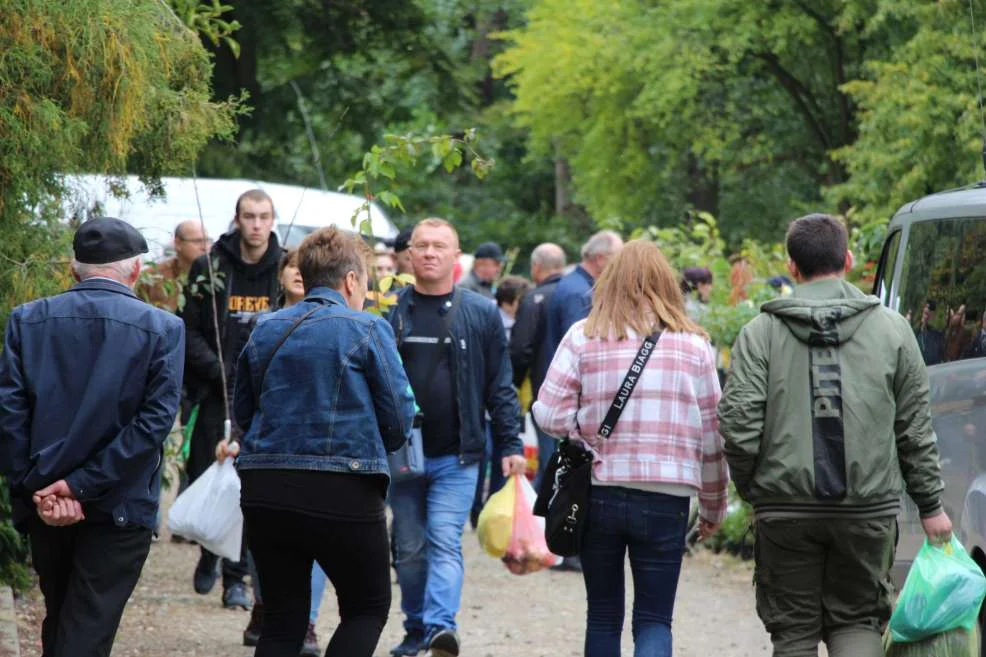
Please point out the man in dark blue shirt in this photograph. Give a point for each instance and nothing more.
(572, 298)
(90, 382)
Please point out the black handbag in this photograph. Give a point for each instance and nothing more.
(565, 489)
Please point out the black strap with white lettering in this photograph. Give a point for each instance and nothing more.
(629, 383)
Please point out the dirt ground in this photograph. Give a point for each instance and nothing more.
(537, 615)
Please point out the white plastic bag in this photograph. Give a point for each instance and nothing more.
(208, 512)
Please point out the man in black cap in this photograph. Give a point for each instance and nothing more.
(402, 252)
(90, 382)
(486, 265)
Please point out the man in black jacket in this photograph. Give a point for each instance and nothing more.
(455, 353)
(90, 382)
(245, 264)
(530, 353)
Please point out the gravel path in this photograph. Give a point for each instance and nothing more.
(538, 615)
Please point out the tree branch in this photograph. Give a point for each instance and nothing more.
(801, 95)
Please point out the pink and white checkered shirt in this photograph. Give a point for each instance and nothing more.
(668, 433)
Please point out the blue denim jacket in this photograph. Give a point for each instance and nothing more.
(483, 375)
(335, 397)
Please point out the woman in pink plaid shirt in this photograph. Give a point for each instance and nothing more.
(665, 449)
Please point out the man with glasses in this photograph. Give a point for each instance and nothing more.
(454, 350)
(245, 262)
(169, 275)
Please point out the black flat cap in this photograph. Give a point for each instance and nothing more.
(403, 240)
(489, 250)
(105, 239)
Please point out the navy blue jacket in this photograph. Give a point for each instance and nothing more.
(90, 382)
(571, 302)
(335, 397)
(483, 376)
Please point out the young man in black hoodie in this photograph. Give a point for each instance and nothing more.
(245, 261)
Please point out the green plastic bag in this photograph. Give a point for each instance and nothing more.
(187, 431)
(943, 591)
(954, 643)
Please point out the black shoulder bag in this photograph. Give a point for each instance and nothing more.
(563, 495)
(408, 462)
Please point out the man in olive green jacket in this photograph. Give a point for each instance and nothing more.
(826, 421)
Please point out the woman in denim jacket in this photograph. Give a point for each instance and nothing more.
(318, 423)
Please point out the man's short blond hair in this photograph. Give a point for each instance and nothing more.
(436, 222)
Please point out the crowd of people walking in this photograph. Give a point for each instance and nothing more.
(824, 423)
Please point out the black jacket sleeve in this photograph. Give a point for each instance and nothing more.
(201, 355)
(501, 397)
(523, 337)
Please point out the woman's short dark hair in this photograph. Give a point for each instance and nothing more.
(817, 243)
(692, 277)
(326, 256)
(510, 289)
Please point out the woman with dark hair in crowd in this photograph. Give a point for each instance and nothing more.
(696, 286)
(322, 398)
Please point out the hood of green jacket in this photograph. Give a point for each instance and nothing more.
(827, 311)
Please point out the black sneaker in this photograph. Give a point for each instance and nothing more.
(413, 643)
(206, 574)
(236, 596)
(444, 643)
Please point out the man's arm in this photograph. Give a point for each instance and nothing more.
(244, 397)
(743, 406)
(201, 355)
(500, 395)
(917, 445)
(15, 407)
(147, 431)
(522, 339)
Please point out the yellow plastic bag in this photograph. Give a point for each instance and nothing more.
(496, 521)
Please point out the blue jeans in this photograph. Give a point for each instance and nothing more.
(430, 513)
(652, 527)
(318, 588)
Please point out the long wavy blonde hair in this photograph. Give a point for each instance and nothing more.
(638, 290)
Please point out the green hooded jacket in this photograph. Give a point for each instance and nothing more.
(826, 409)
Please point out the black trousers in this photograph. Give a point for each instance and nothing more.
(354, 555)
(206, 435)
(87, 573)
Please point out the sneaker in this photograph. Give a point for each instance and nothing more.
(206, 574)
(251, 635)
(571, 564)
(236, 596)
(444, 643)
(310, 649)
(413, 643)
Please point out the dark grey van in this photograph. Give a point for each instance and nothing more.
(933, 271)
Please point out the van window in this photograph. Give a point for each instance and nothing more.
(942, 288)
(888, 263)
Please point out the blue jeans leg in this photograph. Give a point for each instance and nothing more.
(652, 527)
(408, 501)
(318, 588)
(450, 485)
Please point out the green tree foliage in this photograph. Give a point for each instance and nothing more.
(87, 86)
(754, 111)
(920, 128)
